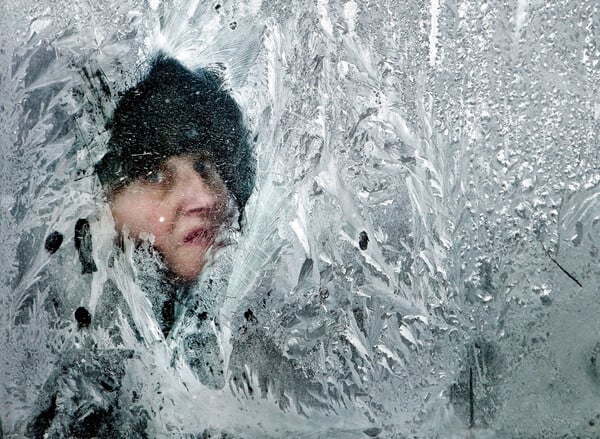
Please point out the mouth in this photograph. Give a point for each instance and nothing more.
(200, 237)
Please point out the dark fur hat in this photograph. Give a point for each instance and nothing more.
(175, 111)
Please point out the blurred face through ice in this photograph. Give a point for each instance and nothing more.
(179, 208)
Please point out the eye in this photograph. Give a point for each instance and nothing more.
(156, 177)
(201, 166)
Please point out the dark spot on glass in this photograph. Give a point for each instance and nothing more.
(372, 432)
(202, 316)
(109, 384)
(53, 242)
(83, 244)
(83, 317)
(92, 425)
(41, 423)
(233, 25)
(217, 7)
(249, 316)
(103, 84)
(323, 293)
(168, 316)
(363, 240)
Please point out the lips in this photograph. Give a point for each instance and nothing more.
(200, 236)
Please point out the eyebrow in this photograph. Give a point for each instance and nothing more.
(202, 155)
(166, 166)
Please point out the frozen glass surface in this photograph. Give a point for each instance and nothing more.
(419, 258)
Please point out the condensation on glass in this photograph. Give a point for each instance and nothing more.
(420, 255)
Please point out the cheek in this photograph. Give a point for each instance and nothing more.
(140, 216)
(161, 228)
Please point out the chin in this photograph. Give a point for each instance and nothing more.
(187, 265)
(189, 273)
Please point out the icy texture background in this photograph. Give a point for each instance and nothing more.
(460, 136)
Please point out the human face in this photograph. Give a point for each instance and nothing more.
(179, 208)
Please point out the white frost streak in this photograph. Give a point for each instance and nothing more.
(354, 336)
(434, 31)
(390, 354)
(299, 225)
(521, 14)
(324, 18)
(275, 59)
(350, 11)
(192, 8)
(405, 333)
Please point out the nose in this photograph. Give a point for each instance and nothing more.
(195, 195)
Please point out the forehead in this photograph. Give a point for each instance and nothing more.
(170, 164)
(183, 159)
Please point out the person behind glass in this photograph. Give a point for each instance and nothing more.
(178, 164)
(178, 170)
